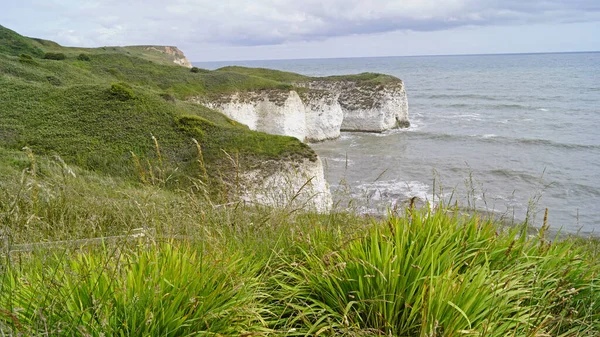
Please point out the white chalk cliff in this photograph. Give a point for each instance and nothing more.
(368, 107)
(287, 184)
(313, 110)
(319, 110)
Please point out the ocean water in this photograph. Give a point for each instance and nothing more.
(508, 133)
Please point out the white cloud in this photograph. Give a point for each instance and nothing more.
(263, 22)
(273, 22)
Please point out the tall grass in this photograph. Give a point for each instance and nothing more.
(240, 270)
(165, 289)
(436, 274)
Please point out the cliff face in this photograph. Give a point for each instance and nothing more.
(319, 110)
(274, 111)
(323, 115)
(288, 184)
(367, 106)
(174, 53)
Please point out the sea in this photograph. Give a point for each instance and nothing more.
(512, 134)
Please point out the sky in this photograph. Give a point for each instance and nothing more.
(224, 30)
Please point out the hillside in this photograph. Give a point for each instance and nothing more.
(293, 78)
(96, 111)
(97, 106)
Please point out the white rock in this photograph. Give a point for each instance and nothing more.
(288, 184)
(325, 109)
(369, 107)
(324, 115)
(239, 111)
(274, 112)
(288, 119)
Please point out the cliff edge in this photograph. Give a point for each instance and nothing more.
(122, 111)
(171, 53)
(315, 109)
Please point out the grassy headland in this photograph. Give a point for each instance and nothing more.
(291, 78)
(68, 129)
(94, 113)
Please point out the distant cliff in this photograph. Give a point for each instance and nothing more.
(316, 109)
(367, 106)
(171, 53)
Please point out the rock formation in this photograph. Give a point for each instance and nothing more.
(367, 106)
(287, 184)
(312, 109)
(173, 52)
(319, 109)
(323, 115)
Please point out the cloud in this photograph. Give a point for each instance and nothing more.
(272, 22)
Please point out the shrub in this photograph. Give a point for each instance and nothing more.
(195, 70)
(113, 72)
(121, 91)
(26, 58)
(55, 56)
(83, 57)
(167, 97)
(55, 81)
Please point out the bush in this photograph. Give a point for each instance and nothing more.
(26, 58)
(83, 57)
(167, 97)
(55, 81)
(55, 56)
(121, 91)
(195, 70)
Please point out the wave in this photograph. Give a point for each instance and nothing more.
(492, 138)
(479, 106)
(514, 174)
(338, 160)
(395, 190)
(550, 143)
(556, 189)
(461, 96)
(510, 106)
(586, 190)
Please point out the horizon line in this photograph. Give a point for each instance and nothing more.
(394, 56)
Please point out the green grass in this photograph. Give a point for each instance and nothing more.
(235, 269)
(276, 75)
(436, 274)
(163, 289)
(94, 113)
(14, 44)
(71, 109)
(290, 78)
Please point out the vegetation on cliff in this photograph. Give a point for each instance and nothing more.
(293, 78)
(95, 111)
(105, 145)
